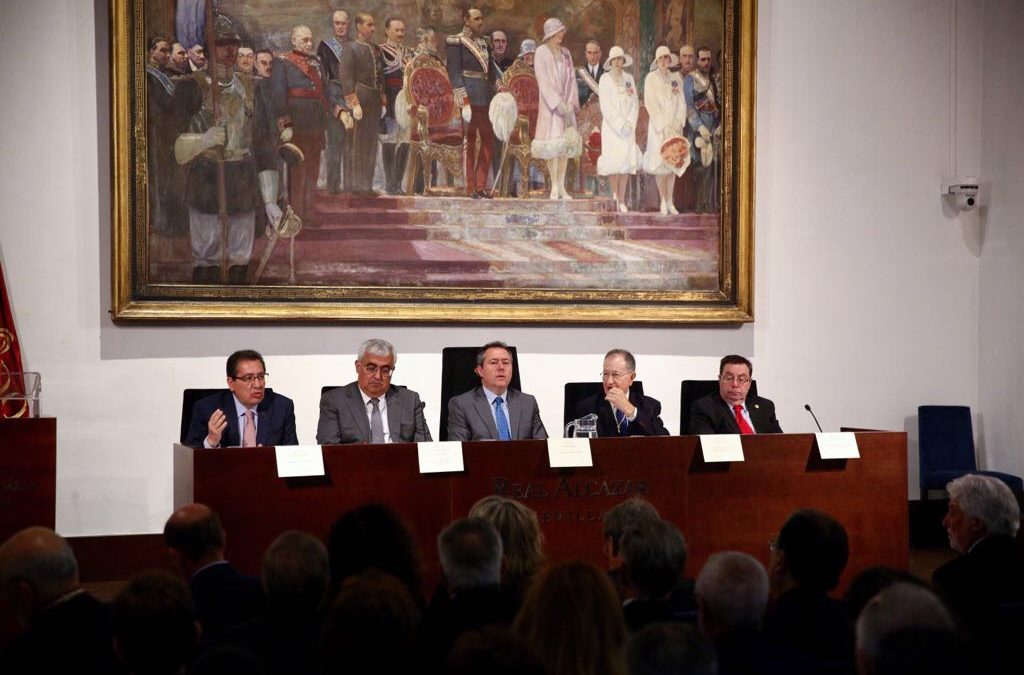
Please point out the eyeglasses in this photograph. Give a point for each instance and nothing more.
(613, 376)
(371, 368)
(252, 378)
(742, 379)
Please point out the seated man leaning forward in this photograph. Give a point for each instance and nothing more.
(492, 411)
(731, 411)
(247, 414)
(371, 409)
(621, 411)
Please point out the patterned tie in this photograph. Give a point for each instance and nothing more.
(502, 420)
(621, 422)
(741, 421)
(249, 433)
(376, 425)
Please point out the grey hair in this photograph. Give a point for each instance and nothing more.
(377, 347)
(626, 356)
(470, 552)
(50, 571)
(423, 33)
(300, 27)
(898, 607)
(295, 570)
(497, 344)
(732, 587)
(989, 500)
(624, 515)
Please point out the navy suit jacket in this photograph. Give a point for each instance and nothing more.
(275, 424)
(647, 423)
(470, 417)
(713, 415)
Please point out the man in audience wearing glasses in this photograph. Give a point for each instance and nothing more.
(731, 410)
(371, 409)
(246, 415)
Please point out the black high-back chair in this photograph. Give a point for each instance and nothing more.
(690, 391)
(189, 398)
(457, 377)
(577, 391)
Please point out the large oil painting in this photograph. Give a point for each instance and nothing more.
(433, 160)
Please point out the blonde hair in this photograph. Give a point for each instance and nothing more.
(521, 538)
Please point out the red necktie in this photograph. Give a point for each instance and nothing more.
(741, 421)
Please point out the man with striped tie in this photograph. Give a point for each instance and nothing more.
(492, 411)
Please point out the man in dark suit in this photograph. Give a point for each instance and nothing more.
(492, 411)
(982, 522)
(361, 77)
(245, 415)
(354, 414)
(589, 74)
(223, 595)
(67, 630)
(653, 557)
(621, 411)
(329, 52)
(730, 411)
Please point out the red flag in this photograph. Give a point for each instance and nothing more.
(10, 350)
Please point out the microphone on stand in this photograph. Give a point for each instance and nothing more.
(807, 407)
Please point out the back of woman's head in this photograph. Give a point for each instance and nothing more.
(521, 539)
(372, 537)
(573, 618)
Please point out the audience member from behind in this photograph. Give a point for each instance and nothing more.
(155, 624)
(653, 557)
(732, 596)
(470, 552)
(285, 637)
(66, 629)
(620, 518)
(906, 630)
(522, 542)
(807, 558)
(223, 596)
(984, 586)
(495, 650)
(573, 619)
(371, 629)
(373, 536)
(670, 649)
(869, 583)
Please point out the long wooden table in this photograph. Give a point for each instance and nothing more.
(28, 473)
(738, 505)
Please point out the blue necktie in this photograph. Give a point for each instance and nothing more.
(502, 420)
(621, 421)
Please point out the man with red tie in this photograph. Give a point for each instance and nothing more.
(731, 410)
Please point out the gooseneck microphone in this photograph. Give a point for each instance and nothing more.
(807, 407)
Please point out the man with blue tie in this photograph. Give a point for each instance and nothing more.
(492, 411)
(731, 410)
(247, 414)
(620, 408)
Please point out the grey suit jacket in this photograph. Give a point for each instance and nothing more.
(343, 416)
(470, 417)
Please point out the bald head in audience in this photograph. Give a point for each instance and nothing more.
(732, 593)
(194, 538)
(37, 567)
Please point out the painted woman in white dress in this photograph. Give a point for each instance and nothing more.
(666, 109)
(557, 138)
(620, 108)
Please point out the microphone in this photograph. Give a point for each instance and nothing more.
(807, 407)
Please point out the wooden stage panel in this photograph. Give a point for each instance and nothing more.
(28, 469)
(737, 506)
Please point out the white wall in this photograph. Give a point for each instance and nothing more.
(866, 293)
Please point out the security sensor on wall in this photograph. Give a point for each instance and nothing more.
(963, 194)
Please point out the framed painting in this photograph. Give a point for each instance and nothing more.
(426, 160)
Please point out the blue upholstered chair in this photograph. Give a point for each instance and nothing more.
(947, 448)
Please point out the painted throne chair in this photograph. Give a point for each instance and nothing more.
(433, 136)
(521, 82)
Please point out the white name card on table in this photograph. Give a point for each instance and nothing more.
(721, 448)
(295, 461)
(440, 456)
(569, 452)
(837, 445)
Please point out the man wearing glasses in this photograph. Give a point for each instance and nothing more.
(731, 410)
(247, 414)
(620, 410)
(371, 409)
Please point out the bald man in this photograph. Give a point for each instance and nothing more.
(67, 630)
(223, 595)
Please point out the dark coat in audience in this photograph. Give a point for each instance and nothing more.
(286, 644)
(642, 612)
(73, 635)
(448, 617)
(224, 596)
(814, 626)
(749, 652)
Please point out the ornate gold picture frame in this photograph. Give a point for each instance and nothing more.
(437, 252)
